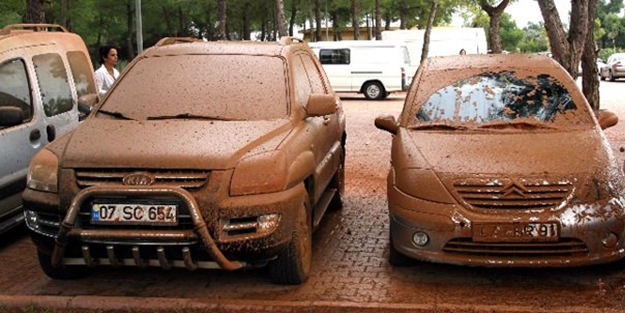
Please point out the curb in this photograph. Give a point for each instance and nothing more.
(151, 304)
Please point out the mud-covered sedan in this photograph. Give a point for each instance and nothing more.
(202, 155)
(498, 160)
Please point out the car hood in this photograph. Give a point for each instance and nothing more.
(559, 153)
(168, 143)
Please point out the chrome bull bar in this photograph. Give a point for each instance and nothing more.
(68, 226)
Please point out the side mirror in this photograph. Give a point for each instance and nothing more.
(321, 105)
(10, 116)
(606, 118)
(387, 123)
(85, 104)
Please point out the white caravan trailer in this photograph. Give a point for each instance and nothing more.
(443, 41)
(374, 68)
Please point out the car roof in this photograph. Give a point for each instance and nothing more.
(187, 46)
(504, 61)
(17, 36)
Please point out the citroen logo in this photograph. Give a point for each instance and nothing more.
(139, 179)
(514, 189)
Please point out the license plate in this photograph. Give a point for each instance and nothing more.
(515, 232)
(136, 214)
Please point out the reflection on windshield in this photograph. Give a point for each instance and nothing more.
(498, 97)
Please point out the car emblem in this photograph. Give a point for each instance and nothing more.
(139, 179)
(514, 189)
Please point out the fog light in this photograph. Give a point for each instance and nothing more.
(268, 222)
(420, 239)
(610, 240)
(32, 220)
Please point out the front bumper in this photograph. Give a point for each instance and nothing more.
(227, 233)
(452, 237)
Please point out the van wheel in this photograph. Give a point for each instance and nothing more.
(294, 262)
(63, 272)
(374, 91)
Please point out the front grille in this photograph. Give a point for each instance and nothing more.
(188, 179)
(563, 247)
(509, 194)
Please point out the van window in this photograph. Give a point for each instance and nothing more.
(82, 73)
(15, 88)
(54, 84)
(334, 56)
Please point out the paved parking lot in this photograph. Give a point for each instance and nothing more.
(350, 269)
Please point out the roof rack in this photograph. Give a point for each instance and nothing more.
(287, 40)
(176, 40)
(33, 28)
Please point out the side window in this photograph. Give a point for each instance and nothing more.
(15, 88)
(334, 56)
(82, 73)
(54, 84)
(314, 74)
(300, 81)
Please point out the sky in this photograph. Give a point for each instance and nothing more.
(525, 11)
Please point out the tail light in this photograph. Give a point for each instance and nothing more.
(618, 63)
(403, 73)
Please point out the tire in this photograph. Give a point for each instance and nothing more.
(601, 76)
(374, 91)
(338, 182)
(294, 262)
(62, 272)
(611, 76)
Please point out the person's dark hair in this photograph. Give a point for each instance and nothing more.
(104, 52)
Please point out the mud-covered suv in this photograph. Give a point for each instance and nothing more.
(203, 155)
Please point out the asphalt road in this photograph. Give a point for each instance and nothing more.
(350, 268)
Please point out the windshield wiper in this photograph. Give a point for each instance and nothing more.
(190, 116)
(439, 126)
(516, 125)
(115, 114)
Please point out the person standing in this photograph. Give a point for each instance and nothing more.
(106, 75)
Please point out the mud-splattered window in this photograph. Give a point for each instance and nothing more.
(82, 73)
(498, 97)
(53, 83)
(223, 86)
(15, 88)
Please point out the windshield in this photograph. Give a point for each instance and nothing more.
(220, 87)
(499, 98)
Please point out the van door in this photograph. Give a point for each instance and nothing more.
(337, 65)
(59, 113)
(18, 142)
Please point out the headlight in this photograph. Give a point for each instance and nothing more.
(422, 184)
(43, 172)
(260, 173)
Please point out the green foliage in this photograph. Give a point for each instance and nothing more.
(534, 39)
(604, 54)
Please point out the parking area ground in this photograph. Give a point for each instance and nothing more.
(350, 268)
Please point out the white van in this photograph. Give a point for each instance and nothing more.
(374, 68)
(44, 70)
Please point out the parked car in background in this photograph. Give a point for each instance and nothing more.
(499, 160)
(202, 155)
(44, 72)
(615, 67)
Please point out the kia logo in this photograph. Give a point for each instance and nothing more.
(139, 179)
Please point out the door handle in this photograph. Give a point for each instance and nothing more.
(35, 135)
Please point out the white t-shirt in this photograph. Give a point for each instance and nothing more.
(104, 80)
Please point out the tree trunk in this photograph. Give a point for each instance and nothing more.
(166, 16)
(220, 28)
(566, 49)
(494, 13)
(403, 13)
(318, 19)
(590, 79)
(356, 18)
(280, 19)
(378, 20)
(311, 18)
(247, 32)
(293, 16)
(35, 12)
(428, 29)
(130, 13)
